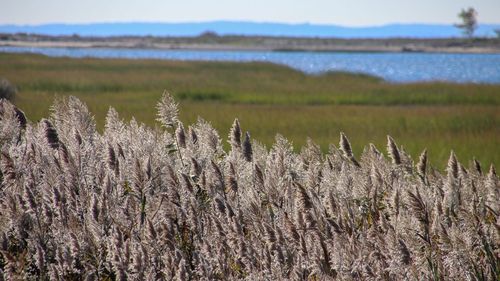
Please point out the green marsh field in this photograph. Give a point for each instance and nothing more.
(270, 99)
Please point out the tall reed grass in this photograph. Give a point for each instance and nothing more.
(139, 203)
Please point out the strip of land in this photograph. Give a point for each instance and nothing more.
(270, 99)
(211, 41)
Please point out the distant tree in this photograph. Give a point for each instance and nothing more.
(209, 34)
(469, 21)
(497, 31)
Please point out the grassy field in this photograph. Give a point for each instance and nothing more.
(270, 99)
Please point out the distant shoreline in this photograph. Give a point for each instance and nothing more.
(220, 47)
(212, 42)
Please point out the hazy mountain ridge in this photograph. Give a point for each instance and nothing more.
(249, 28)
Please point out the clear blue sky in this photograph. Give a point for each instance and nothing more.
(346, 12)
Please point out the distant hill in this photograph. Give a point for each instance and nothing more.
(249, 28)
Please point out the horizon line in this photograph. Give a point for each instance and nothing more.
(233, 21)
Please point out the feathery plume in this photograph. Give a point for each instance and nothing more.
(290, 229)
(167, 111)
(217, 175)
(304, 200)
(195, 167)
(258, 177)
(20, 117)
(181, 135)
(193, 135)
(113, 122)
(235, 136)
(112, 160)
(51, 134)
(493, 188)
(393, 151)
(232, 183)
(8, 168)
(345, 146)
(452, 167)
(374, 150)
(405, 255)
(247, 148)
(422, 163)
(418, 206)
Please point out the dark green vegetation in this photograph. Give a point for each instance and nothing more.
(270, 99)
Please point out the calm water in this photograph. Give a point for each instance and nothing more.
(395, 67)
